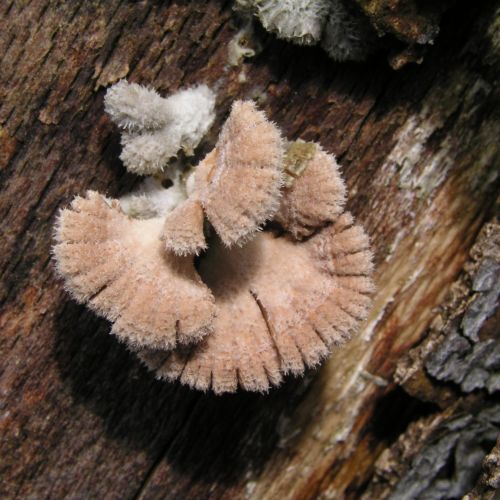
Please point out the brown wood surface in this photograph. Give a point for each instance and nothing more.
(79, 416)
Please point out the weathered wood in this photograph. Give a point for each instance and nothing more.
(456, 368)
(80, 418)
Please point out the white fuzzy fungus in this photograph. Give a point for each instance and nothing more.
(300, 21)
(343, 33)
(157, 128)
(153, 199)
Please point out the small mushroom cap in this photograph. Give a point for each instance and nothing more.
(152, 199)
(118, 267)
(183, 229)
(192, 113)
(300, 21)
(243, 190)
(316, 192)
(281, 305)
(147, 154)
(134, 107)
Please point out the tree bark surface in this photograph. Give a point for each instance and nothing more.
(79, 416)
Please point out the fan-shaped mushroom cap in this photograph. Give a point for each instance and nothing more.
(301, 21)
(280, 307)
(183, 229)
(244, 189)
(239, 182)
(315, 193)
(119, 268)
(147, 154)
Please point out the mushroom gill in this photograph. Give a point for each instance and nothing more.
(281, 305)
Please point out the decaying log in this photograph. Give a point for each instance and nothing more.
(439, 456)
(79, 416)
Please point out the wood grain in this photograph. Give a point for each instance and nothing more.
(80, 418)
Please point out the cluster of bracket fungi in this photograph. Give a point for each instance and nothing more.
(254, 271)
(350, 30)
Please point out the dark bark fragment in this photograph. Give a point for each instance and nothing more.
(461, 347)
(412, 21)
(441, 456)
(437, 457)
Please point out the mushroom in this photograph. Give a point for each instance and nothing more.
(348, 35)
(281, 305)
(155, 129)
(156, 196)
(314, 191)
(341, 30)
(118, 267)
(237, 186)
(300, 21)
(259, 305)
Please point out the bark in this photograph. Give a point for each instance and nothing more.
(457, 367)
(80, 418)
